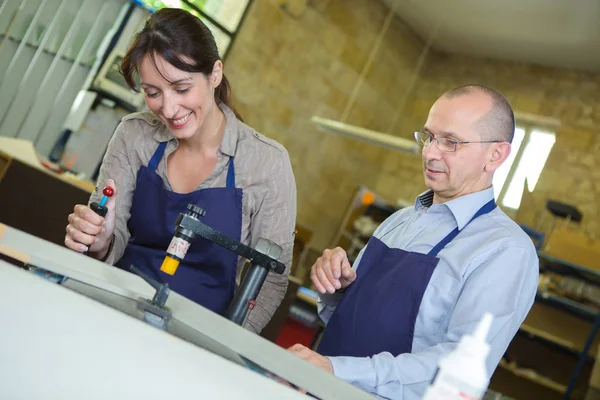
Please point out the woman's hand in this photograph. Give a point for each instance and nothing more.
(88, 231)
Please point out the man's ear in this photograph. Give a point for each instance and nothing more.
(216, 76)
(497, 154)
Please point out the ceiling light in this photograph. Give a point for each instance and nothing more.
(366, 135)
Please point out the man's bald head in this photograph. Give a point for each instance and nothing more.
(499, 122)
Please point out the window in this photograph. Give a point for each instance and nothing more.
(530, 149)
(223, 17)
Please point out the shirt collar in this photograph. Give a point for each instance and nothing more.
(230, 137)
(424, 200)
(463, 208)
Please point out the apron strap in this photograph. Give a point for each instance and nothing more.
(230, 175)
(486, 208)
(157, 156)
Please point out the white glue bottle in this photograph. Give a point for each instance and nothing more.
(462, 373)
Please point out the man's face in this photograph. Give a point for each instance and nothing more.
(454, 174)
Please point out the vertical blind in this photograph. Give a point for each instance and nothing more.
(49, 51)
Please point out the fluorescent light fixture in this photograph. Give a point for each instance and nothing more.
(366, 135)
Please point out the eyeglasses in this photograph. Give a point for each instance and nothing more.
(443, 143)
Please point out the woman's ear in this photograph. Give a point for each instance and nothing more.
(498, 153)
(216, 76)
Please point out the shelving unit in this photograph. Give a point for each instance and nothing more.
(550, 339)
(567, 304)
(564, 266)
(554, 350)
(539, 380)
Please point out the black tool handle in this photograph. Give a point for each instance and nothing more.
(98, 209)
(192, 224)
(101, 211)
(248, 290)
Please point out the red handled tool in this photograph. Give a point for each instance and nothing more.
(100, 208)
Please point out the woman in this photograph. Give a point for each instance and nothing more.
(182, 152)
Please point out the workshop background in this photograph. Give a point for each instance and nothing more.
(296, 66)
(307, 58)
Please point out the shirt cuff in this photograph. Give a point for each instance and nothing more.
(109, 258)
(358, 371)
(330, 299)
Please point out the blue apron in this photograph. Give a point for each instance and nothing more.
(208, 272)
(378, 311)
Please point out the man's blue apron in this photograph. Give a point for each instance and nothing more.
(378, 311)
(208, 272)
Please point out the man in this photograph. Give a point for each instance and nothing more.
(429, 273)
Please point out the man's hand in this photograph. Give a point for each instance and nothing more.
(332, 271)
(314, 358)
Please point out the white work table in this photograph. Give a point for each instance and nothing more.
(85, 338)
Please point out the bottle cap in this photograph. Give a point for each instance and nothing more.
(482, 329)
(475, 344)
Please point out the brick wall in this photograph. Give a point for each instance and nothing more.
(288, 64)
(572, 172)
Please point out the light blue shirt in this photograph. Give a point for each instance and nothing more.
(491, 266)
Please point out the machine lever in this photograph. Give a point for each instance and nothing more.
(162, 289)
(263, 258)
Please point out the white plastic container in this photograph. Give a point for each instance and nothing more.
(462, 374)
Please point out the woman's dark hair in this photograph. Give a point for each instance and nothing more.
(183, 41)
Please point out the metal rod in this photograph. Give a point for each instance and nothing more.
(162, 289)
(247, 292)
(235, 246)
(152, 282)
(582, 357)
(263, 259)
